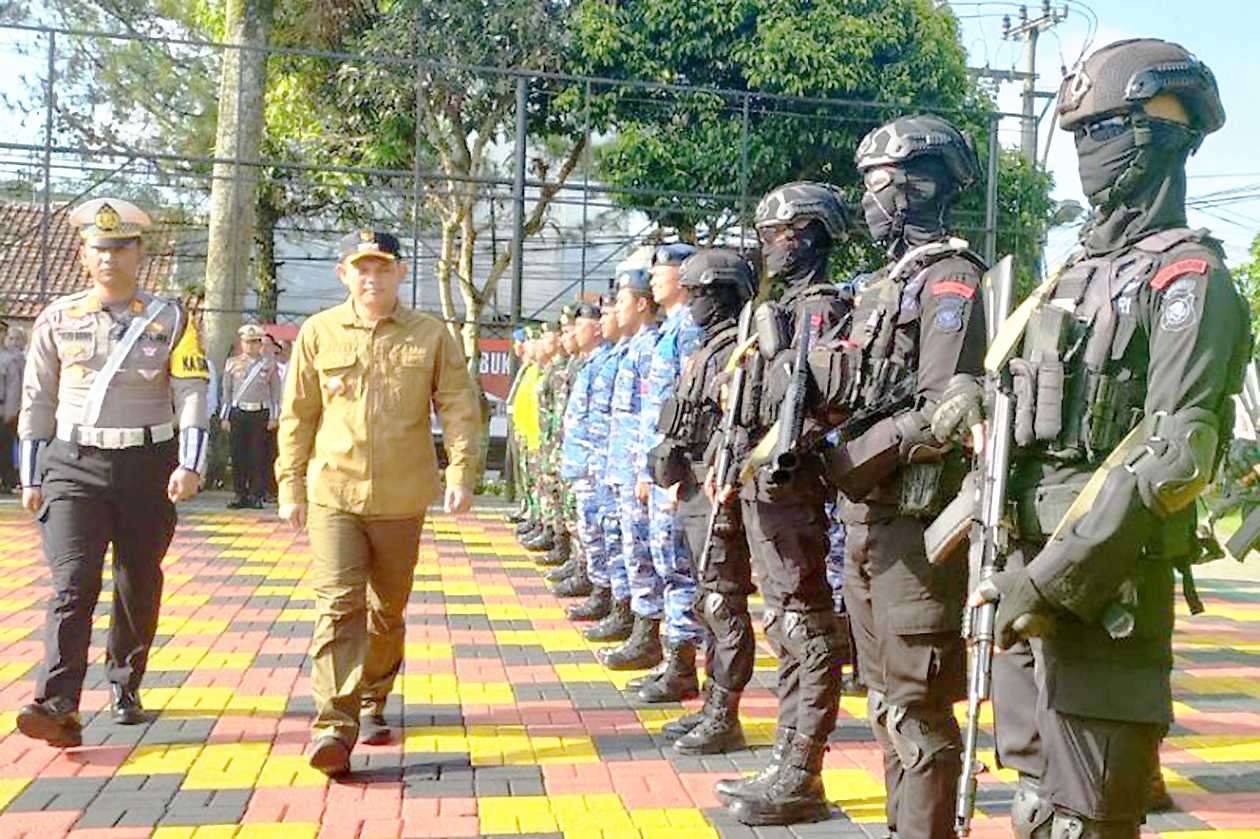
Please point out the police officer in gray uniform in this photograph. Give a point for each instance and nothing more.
(916, 322)
(113, 432)
(719, 282)
(1125, 371)
(250, 408)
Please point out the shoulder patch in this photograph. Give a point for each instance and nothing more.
(954, 286)
(1176, 270)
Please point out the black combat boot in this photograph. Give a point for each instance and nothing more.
(679, 727)
(594, 608)
(555, 575)
(526, 527)
(125, 707)
(679, 681)
(615, 626)
(795, 794)
(518, 515)
(576, 584)
(639, 682)
(720, 730)
(640, 651)
(1158, 800)
(559, 554)
(731, 790)
(544, 541)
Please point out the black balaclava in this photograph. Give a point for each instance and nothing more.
(1136, 190)
(713, 308)
(802, 259)
(912, 209)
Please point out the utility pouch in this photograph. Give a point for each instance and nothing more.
(672, 420)
(1039, 511)
(771, 327)
(927, 487)
(1024, 383)
(1048, 422)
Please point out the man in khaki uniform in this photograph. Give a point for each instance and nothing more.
(113, 433)
(249, 409)
(357, 467)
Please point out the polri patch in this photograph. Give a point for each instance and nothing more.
(948, 319)
(1180, 311)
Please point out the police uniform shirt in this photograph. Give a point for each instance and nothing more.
(163, 378)
(263, 389)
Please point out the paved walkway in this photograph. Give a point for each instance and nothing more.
(511, 727)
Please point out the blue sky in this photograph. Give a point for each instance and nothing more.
(1220, 32)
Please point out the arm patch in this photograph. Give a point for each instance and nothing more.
(1176, 270)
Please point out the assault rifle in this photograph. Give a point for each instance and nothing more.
(745, 343)
(990, 537)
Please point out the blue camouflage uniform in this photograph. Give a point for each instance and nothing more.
(679, 337)
(599, 414)
(624, 444)
(575, 459)
(835, 557)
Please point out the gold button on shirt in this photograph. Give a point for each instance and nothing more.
(354, 426)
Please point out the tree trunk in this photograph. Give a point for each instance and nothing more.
(473, 304)
(242, 85)
(265, 285)
(446, 259)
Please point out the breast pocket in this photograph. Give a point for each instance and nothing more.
(413, 374)
(76, 346)
(339, 376)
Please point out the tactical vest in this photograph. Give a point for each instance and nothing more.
(1080, 377)
(886, 331)
(689, 416)
(885, 319)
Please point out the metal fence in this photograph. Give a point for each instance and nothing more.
(69, 142)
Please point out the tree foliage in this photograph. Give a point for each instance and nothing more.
(1247, 276)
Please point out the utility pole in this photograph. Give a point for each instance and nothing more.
(1030, 29)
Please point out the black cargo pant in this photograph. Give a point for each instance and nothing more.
(250, 463)
(1095, 768)
(905, 615)
(94, 498)
(788, 538)
(8, 469)
(723, 589)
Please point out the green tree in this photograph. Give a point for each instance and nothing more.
(905, 53)
(456, 119)
(1247, 276)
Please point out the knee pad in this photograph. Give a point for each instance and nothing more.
(1031, 814)
(1071, 826)
(726, 615)
(876, 707)
(920, 734)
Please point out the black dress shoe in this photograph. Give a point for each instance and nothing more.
(56, 728)
(124, 706)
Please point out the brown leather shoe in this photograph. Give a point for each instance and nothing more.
(374, 729)
(330, 756)
(57, 729)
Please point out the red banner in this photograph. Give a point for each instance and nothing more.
(494, 366)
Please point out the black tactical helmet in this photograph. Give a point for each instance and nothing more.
(922, 135)
(718, 267)
(1122, 77)
(804, 200)
(672, 254)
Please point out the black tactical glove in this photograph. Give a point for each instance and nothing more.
(1021, 610)
(960, 408)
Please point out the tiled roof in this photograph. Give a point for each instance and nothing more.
(21, 239)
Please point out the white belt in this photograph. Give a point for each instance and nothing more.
(115, 438)
(251, 406)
